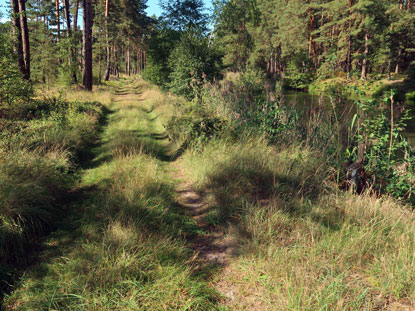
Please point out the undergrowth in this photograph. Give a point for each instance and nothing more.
(40, 144)
(122, 245)
(301, 243)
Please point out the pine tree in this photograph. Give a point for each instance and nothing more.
(87, 44)
(182, 14)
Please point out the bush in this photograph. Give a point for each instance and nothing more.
(13, 88)
(155, 73)
(299, 73)
(160, 45)
(410, 96)
(241, 94)
(389, 158)
(194, 132)
(192, 62)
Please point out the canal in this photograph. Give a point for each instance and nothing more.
(308, 101)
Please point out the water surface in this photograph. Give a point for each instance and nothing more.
(306, 101)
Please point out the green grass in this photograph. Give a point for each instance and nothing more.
(40, 143)
(303, 245)
(122, 244)
(121, 240)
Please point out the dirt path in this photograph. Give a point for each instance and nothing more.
(212, 244)
(126, 189)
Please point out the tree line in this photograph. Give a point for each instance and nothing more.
(294, 40)
(302, 38)
(49, 44)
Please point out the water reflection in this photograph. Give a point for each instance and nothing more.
(307, 102)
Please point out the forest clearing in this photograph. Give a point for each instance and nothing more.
(166, 163)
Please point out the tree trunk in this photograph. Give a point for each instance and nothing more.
(75, 16)
(128, 63)
(87, 44)
(113, 57)
(389, 70)
(58, 23)
(25, 38)
(366, 52)
(108, 66)
(397, 61)
(71, 51)
(74, 29)
(312, 47)
(136, 63)
(68, 18)
(17, 35)
(141, 61)
(99, 62)
(349, 56)
(349, 45)
(116, 70)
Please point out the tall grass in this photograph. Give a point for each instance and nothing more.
(40, 144)
(123, 247)
(302, 244)
(126, 254)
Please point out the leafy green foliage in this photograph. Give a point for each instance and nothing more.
(184, 14)
(13, 88)
(410, 95)
(299, 72)
(389, 158)
(180, 56)
(191, 62)
(160, 44)
(231, 32)
(195, 132)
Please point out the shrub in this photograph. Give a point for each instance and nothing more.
(389, 158)
(299, 73)
(192, 62)
(410, 96)
(155, 73)
(13, 88)
(194, 132)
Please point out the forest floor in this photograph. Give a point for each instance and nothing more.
(235, 225)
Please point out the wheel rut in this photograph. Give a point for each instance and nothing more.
(211, 243)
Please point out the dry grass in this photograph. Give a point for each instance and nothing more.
(123, 247)
(303, 245)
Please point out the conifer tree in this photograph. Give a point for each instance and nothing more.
(87, 44)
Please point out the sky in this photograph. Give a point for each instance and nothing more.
(153, 8)
(3, 10)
